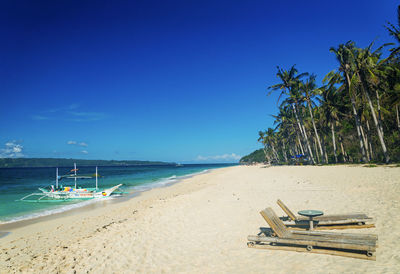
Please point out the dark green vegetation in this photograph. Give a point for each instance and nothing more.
(352, 117)
(61, 162)
(257, 156)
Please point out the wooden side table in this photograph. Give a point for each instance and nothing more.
(310, 214)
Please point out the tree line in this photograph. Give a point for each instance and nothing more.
(63, 162)
(352, 117)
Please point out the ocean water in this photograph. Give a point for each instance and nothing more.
(16, 183)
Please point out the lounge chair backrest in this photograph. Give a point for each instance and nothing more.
(275, 223)
(287, 210)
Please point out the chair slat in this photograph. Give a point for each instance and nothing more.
(287, 210)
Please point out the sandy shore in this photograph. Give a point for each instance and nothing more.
(201, 224)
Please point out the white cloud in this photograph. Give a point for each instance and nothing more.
(82, 144)
(223, 157)
(12, 150)
(202, 158)
(63, 109)
(84, 151)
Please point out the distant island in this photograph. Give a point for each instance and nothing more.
(63, 162)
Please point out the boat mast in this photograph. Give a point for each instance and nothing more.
(56, 178)
(75, 173)
(96, 178)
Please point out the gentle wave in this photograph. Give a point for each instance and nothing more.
(166, 181)
(52, 211)
(139, 188)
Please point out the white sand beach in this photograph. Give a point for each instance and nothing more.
(201, 224)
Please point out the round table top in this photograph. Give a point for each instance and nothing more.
(310, 213)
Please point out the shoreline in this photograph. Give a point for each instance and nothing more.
(201, 224)
(7, 227)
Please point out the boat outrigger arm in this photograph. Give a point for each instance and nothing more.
(56, 196)
(69, 193)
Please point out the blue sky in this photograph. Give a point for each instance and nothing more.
(181, 81)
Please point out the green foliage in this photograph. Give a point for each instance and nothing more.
(61, 162)
(256, 156)
(352, 118)
(370, 165)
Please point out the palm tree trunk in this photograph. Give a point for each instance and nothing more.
(308, 143)
(334, 141)
(379, 111)
(304, 133)
(295, 149)
(357, 119)
(316, 149)
(370, 149)
(397, 116)
(298, 121)
(343, 152)
(378, 128)
(324, 148)
(365, 143)
(370, 141)
(284, 151)
(315, 128)
(275, 154)
(266, 155)
(272, 155)
(347, 155)
(359, 131)
(301, 146)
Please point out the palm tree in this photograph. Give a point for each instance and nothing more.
(366, 62)
(270, 137)
(290, 86)
(390, 75)
(281, 138)
(330, 112)
(346, 67)
(262, 139)
(284, 124)
(394, 31)
(354, 115)
(309, 89)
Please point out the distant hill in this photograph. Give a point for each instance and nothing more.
(62, 162)
(256, 156)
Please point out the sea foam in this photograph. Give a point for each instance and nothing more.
(63, 208)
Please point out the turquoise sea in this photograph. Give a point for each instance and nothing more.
(16, 183)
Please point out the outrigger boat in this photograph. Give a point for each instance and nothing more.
(57, 194)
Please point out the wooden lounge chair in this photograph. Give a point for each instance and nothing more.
(336, 221)
(362, 246)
